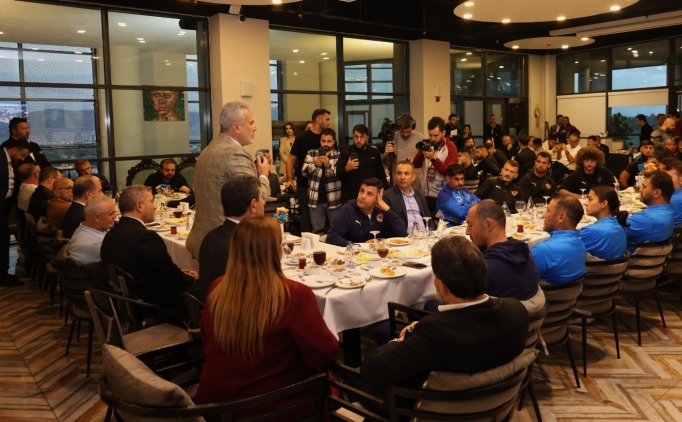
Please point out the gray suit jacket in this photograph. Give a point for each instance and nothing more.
(394, 198)
(220, 160)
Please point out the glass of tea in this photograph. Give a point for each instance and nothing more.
(301, 262)
(177, 214)
(290, 245)
(382, 250)
(319, 257)
(174, 230)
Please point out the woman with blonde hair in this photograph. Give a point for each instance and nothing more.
(261, 331)
(285, 144)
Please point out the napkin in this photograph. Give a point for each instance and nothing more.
(314, 238)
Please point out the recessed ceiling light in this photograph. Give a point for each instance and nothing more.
(634, 51)
(615, 8)
(181, 33)
(506, 20)
(121, 24)
(276, 1)
(323, 54)
(469, 54)
(577, 62)
(629, 48)
(463, 60)
(467, 16)
(166, 61)
(168, 64)
(515, 47)
(635, 55)
(565, 46)
(561, 18)
(295, 73)
(81, 31)
(1, 33)
(651, 52)
(501, 67)
(469, 3)
(325, 58)
(584, 39)
(295, 51)
(302, 61)
(142, 41)
(603, 61)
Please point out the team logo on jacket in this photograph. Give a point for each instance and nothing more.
(599, 179)
(514, 192)
(380, 217)
(548, 186)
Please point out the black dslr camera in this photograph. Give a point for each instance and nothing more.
(424, 145)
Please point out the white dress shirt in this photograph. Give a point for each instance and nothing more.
(25, 192)
(85, 244)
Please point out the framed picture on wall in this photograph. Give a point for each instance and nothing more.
(163, 106)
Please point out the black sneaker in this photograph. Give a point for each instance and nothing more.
(10, 280)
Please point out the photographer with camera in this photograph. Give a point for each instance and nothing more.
(401, 138)
(434, 156)
(357, 163)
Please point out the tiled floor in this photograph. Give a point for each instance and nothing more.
(39, 383)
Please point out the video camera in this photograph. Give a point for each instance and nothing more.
(424, 145)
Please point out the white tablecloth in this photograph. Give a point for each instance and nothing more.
(343, 309)
(181, 256)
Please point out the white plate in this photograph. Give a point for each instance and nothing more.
(344, 283)
(318, 281)
(520, 236)
(407, 254)
(159, 229)
(376, 272)
(397, 241)
(315, 271)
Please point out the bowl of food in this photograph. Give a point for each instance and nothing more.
(374, 262)
(314, 270)
(337, 262)
(395, 261)
(294, 257)
(338, 272)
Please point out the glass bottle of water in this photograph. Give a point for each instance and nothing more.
(350, 258)
(508, 226)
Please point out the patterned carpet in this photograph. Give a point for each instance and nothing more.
(39, 383)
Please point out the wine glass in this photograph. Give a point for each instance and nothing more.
(286, 249)
(520, 207)
(357, 250)
(426, 222)
(582, 193)
(373, 246)
(546, 198)
(382, 250)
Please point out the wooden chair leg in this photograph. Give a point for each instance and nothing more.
(68, 343)
(660, 309)
(584, 326)
(570, 357)
(90, 334)
(639, 328)
(615, 334)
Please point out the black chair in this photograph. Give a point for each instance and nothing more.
(139, 173)
(408, 316)
(534, 324)
(601, 284)
(74, 281)
(194, 309)
(673, 264)
(316, 383)
(560, 299)
(644, 268)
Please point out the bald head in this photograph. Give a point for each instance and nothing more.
(63, 189)
(86, 187)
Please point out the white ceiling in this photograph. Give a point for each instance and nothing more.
(59, 25)
(310, 47)
(518, 11)
(548, 43)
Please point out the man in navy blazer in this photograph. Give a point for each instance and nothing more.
(15, 151)
(409, 204)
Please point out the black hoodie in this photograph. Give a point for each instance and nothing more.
(511, 270)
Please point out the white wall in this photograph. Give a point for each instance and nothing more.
(239, 51)
(541, 93)
(429, 67)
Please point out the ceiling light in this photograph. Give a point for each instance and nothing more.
(79, 60)
(565, 46)
(302, 61)
(95, 57)
(1, 33)
(584, 39)
(506, 20)
(561, 18)
(167, 64)
(142, 41)
(469, 3)
(166, 61)
(295, 51)
(651, 52)
(276, 1)
(181, 33)
(295, 73)
(635, 55)
(467, 16)
(615, 8)
(81, 31)
(469, 54)
(121, 24)
(603, 61)
(515, 47)
(501, 67)
(325, 58)
(629, 48)
(463, 60)
(323, 54)
(634, 51)
(577, 62)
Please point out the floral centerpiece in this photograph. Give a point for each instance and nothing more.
(282, 216)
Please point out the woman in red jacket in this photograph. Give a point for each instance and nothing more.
(261, 331)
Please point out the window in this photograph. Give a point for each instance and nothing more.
(582, 72)
(640, 65)
(466, 77)
(649, 112)
(678, 61)
(505, 75)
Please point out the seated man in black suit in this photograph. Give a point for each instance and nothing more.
(472, 332)
(83, 189)
(37, 205)
(241, 197)
(167, 175)
(84, 168)
(143, 254)
(409, 204)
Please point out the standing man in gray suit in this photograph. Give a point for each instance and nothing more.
(222, 159)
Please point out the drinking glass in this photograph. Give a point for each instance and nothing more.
(520, 207)
(319, 257)
(286, 249)
(373, 246)
(546, 198)
(426, 222)
(382, 250)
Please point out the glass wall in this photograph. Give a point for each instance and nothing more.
(467, 72)
(582, 72)
(358, 81)
(642, 65)
(52, 71)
